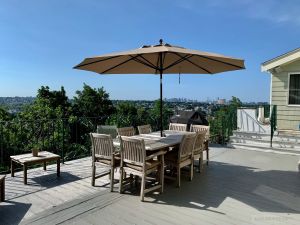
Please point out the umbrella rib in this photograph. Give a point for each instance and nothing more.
(230, 64)
(132, 58)
(200, 67)
(144, 63)
(157, 67)
(178, 61)
(163, 60)
(150, 63)
(100, 60)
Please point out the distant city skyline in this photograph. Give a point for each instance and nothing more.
(41, 41)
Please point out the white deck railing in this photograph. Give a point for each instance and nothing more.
(247, 121)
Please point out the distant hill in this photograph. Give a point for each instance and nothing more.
(15, 104)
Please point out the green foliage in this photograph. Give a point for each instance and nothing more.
(127, 114)
(155, 115)
(53, 124)
(4, 115)
(224, 121)
(92, 102)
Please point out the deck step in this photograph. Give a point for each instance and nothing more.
(264, 148)
(295, 144)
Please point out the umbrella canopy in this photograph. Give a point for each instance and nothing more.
(161, 59)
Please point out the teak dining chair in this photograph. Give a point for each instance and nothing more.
(178, 126)
(196, 128)
(107, 129)
(126, 131)
(135, 161)
(103, 155)
(145, 129)
(198, 148)
(183, 157)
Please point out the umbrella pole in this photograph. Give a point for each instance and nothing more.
(161, 101)
(161, 106)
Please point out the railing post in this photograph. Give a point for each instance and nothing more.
(63, 141)
(1, 143)
(273, 122)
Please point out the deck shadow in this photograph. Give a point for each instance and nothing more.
(266, 191)
(37, 183)
(13, 212)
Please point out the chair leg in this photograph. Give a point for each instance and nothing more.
(162, 165)
(178, 176)
(143, 187)
(121, 180)
(131, 179)
(112, 173)
(207, 156)
(192, 170)
(136, 180)
(201, 162)
(93, 175)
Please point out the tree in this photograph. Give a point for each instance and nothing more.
(54, 99)
(92, 102)
(155, 115)
(125, 115)
(4, 114)
(225, 121)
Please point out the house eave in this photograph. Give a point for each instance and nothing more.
(281, 60)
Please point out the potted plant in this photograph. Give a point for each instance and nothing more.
(35, 150)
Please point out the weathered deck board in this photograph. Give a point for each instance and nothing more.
(239, 187)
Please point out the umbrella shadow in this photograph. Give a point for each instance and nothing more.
(266, 191)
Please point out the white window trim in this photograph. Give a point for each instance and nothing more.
(288, 90)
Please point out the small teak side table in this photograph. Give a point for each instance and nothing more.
(27, 159)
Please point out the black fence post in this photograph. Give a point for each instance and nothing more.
(63, 141)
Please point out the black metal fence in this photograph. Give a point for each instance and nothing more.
(67, 137)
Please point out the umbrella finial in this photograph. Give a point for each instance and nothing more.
(161, 41)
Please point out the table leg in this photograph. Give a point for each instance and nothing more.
(58, 167)
(12, 168)
(2, 194)
(45, 165)
(162, 178)
(25, 173)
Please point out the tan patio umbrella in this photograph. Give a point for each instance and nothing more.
(161, 59)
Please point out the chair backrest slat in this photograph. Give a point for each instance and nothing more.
(107, 129)
(102, 145)
(178, 126)
(133, 150)
(197, 128)
(126, 131)
(187, 145)
(145, 129)
(199, 142)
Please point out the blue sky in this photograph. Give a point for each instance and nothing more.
(40, 42)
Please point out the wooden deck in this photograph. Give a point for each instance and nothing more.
(239, 187)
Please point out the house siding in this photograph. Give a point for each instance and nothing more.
(288, 117)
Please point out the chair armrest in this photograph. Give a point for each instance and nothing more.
(156, 154)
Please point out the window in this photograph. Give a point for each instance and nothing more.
(294, 89)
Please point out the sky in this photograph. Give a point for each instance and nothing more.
(41, 41)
